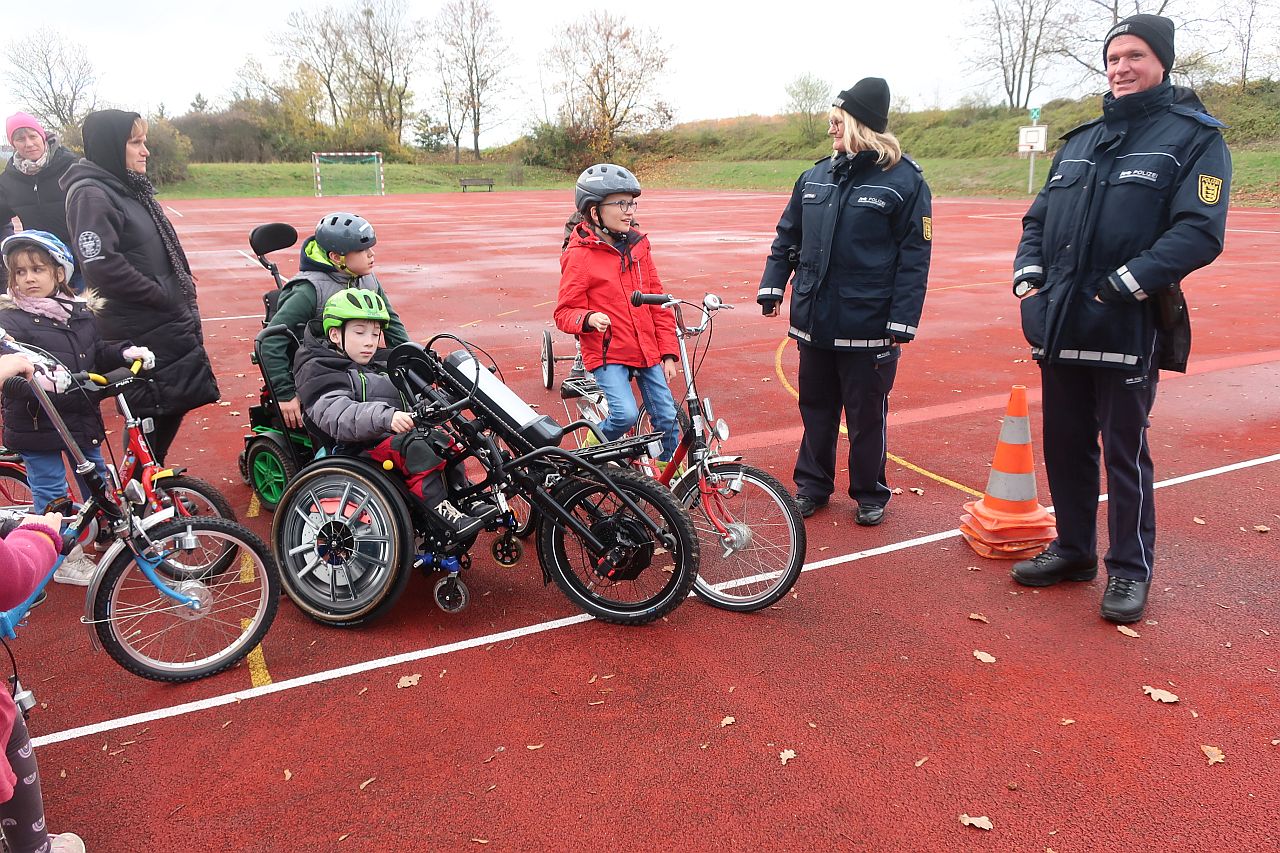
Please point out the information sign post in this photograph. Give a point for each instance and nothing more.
(1032, 139)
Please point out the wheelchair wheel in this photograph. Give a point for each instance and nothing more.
(764, 536)
(151, 635)
(548, 361)
(270, 468)
(344, 540)
(646, 576)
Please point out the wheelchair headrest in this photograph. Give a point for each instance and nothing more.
(272, 237)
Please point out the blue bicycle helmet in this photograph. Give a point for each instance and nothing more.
(44, 240)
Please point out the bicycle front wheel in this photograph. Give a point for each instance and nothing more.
(760, 554)
(157, 637)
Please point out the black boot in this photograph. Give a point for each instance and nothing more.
(1124, 600)
(1048, 568)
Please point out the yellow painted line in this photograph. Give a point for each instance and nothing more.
(247, 573)
(254, 506)
(505, 313)
(548, 302)
(472, 323)
(938, 478)
(976, 284)
(257, 662)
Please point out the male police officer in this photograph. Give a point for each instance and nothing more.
(1136, 200)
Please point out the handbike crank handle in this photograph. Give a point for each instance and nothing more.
(639, 298)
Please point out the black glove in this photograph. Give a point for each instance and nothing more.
(768, 307)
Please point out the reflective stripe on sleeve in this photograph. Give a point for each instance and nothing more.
(1029, 271)
(769, 292)
(902, 327)
(1130, 282)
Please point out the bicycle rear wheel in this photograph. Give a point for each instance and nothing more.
(15, 494)
(761, 554)
(152, 635)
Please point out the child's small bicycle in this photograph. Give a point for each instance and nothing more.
(174, 598)
(752, 535)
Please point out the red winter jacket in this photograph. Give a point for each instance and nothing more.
(595, 276)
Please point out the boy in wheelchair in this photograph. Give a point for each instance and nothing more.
(338, 257)
(347, 397)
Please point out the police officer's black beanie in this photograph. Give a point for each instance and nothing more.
(868, 102)
(1156, 31)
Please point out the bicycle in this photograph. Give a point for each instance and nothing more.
(752, 535)
(174, 598)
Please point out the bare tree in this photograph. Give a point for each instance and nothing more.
(1016, 41)
(1245, 21)
(808, 97)
(384, 44)
(452, 96)
(472, 43)
(1084, 26)
(608, 75)
(52, 77)
(317, 40)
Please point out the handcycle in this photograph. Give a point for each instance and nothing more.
(752, 535)
(348, 535)
(175, 598)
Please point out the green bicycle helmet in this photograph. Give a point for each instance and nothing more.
(354, 304)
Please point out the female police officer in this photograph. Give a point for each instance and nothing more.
(857, 234)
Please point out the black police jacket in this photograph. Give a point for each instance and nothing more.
(860, 238)
(1136, 200)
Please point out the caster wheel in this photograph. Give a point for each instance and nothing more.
(507, 550)
(451, 595)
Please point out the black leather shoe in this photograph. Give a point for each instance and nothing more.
(1124, 600)
(869, 515)
(808, 506)
(1048, 568)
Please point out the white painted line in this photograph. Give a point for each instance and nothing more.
(515, 633)
(257, 316)
(174, 212)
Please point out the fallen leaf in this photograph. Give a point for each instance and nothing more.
(727, 721)
(1262, 528)
(916, 491)
(442, 672)
(984, 657)
(593, 679)
(1067, 721)
(367, 782)
(480, 840)
(531, 747)
(344, 836)
(62, 774)
(1195, 715)
(1273, 743)
(1158, 695)
(1197, 519)
(409, 680)
(287, 775)
(1127, 631)
(813, 725)
(1214, 754)
(896, 491)
(983, 822)
(786, 755)
(978, 617)
(922, 761)
(598, 702)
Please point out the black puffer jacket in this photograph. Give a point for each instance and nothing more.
(125, 265)
(78, 346)
(37, 199)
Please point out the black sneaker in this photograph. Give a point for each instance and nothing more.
(479, 508)
(455, 521)
(1048, 568)
(808, 506)
(869, 515)
(1124, 600)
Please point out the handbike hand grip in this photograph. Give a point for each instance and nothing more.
(638, 298)
(120, 374)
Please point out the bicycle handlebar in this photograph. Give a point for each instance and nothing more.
(638, 298)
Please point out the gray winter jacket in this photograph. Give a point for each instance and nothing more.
(347, 402)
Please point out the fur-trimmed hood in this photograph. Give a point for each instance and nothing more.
(90, 299)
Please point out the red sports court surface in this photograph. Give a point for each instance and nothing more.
(532, 727)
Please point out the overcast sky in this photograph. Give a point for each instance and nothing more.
(726, 59)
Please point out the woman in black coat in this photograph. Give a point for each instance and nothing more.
(29, 186)
(135, 266)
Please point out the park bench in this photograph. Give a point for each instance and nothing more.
(476, 182)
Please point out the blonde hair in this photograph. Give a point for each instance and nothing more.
(858, 137)
(139, 127)
(31, 254)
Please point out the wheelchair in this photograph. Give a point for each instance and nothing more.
(348, 534)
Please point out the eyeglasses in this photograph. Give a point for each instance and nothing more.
(624, 206)
(835, 122)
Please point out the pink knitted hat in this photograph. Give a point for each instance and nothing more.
(17, 121)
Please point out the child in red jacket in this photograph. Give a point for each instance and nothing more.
(605, 260)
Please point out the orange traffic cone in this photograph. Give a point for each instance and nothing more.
(1008, 523)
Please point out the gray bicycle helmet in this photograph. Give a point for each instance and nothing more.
(344, 232)
(601, 180)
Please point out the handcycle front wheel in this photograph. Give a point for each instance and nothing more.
(650, 575)
(758, 558)
(157, 637)
(548, 355)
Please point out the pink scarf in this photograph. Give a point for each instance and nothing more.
(44, 306)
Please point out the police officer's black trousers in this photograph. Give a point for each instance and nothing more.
(859, 384)
(1079, 404)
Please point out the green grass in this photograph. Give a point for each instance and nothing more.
(261, 180)
(1254, 181)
